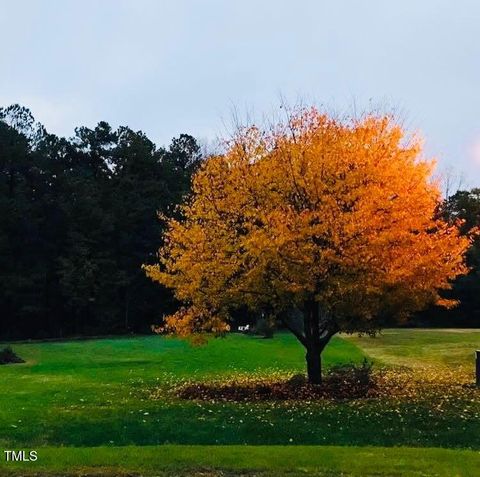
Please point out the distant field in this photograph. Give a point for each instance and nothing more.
(422, 347)
(98, 393)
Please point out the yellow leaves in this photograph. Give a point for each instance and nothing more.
(447, 303)
(316, 208)
(193, 320)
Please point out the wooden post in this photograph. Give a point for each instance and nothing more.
(477, 367)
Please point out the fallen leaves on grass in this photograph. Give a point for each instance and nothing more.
(439, 386)
(260, 390)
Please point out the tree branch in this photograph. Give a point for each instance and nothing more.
(297, 333)
(327, 333)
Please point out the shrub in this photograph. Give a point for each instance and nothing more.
(265, 327)
(350, 379)
(8, 356)
(297, 380)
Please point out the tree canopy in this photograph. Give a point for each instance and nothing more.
(336, 219)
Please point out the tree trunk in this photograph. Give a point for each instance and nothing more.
(314, 366)
(312, 343)
(127, 309)
(318, 331)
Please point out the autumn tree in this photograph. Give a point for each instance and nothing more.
(335, 219)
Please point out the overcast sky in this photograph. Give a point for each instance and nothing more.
(168, 67)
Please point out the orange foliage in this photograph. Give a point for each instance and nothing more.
(341, 213)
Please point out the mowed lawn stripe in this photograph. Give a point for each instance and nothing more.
(421, 347)
(274, 460)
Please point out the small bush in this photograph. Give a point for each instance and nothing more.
(297, 380)
(350, 379)
(265, 328)
(8, 356)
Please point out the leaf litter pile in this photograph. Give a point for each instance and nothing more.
(440, 386)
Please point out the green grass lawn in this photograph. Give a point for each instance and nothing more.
(97, 393)
(251, 461)
(89, 393)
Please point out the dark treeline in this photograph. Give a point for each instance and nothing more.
(465, 206)
(78, 219)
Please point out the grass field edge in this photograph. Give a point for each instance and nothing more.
(337, 459)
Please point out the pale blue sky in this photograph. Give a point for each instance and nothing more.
(179, 66)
